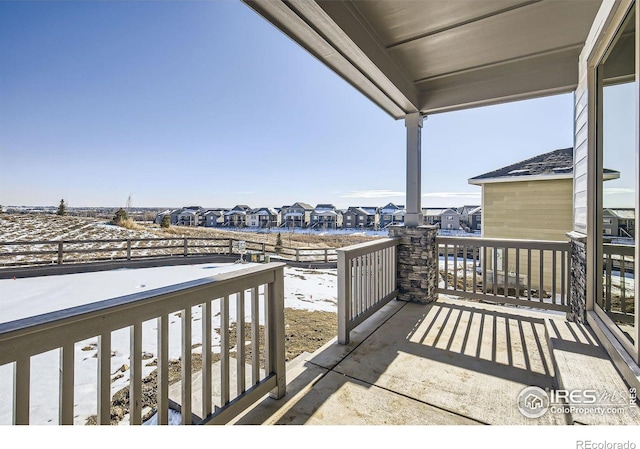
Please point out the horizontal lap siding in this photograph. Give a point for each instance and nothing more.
(530, 210)
(534, 210)
(580, 155)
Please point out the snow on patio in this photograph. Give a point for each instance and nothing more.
(304, 289)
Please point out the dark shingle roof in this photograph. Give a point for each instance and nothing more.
(555, 162)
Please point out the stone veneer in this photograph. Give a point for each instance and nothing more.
(417, 263)
(577, 278)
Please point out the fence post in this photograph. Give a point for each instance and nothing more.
(344, 297)
(128, 249)
(297, 255)
(326, 255)
(186, 247)
(264, 248)
(60, 252)
(230, 246)
(276, 330)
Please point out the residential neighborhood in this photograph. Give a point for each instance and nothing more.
(322, 217)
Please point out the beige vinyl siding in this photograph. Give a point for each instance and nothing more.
(534, 210)
(580, 155)
(529, 210)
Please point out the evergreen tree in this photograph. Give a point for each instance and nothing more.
(166, 222)
(278, 246)
(120, 217)
(62, 208)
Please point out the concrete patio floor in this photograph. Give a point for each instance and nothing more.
(450, 362)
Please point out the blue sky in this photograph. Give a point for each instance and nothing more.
(183, 103)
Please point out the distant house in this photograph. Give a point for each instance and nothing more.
(464, 214)
(236, 217)
(531, 199)
(390, 215)
(263, 218)
(363, 217)
(619, 222)
(296, 216)
(160, 216)
(325, 216)
(474, 223)
(214, 218)
(174, 214)
(444, 218)
(191, 216)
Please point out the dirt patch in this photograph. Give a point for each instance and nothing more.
(305, 331)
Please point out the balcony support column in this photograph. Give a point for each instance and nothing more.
(417, 263)
(577, 278)
(413, 123)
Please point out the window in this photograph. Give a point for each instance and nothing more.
(617, 123)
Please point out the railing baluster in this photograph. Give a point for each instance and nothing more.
(255, 336)
(623, 299)
(446, 266)
(268, 366)
(21, 390)
(563, 278)
(608, 283)
(206, 359)
(163, 370)
(455, 266)
(554, 267)
(484, 269)
(240, 343)
(464, 267)
(135, 374)
(517, 273)
(475, 249)
(186, 366)
(541, 275)
(67, 361)
(529, 268)
(495, 271)
(104, 378)
(224, 350)
(506, 271)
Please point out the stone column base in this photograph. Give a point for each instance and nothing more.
(577, 278)
(417, 263)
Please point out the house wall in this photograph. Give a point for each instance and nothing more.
(530, 210)
(539, 210)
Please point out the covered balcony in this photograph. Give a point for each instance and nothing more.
(431, 330)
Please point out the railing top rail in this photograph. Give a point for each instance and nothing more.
(368, 247)
(511, 243)
(619, 250)
(111, 314)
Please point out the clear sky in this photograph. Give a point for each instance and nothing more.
(205, 103)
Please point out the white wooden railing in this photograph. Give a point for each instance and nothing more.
(525, 272)
(366, 282)
(257, 291)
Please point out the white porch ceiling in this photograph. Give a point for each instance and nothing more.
(441, 55)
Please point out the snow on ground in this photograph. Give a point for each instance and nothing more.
(304, 289)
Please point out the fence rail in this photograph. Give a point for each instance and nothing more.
(255, 291)
(366, 282)
(526, 272)
(58, 252)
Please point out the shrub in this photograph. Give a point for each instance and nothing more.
(166, 222)
(62, 209)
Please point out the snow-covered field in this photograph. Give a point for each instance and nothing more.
(304, 289)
